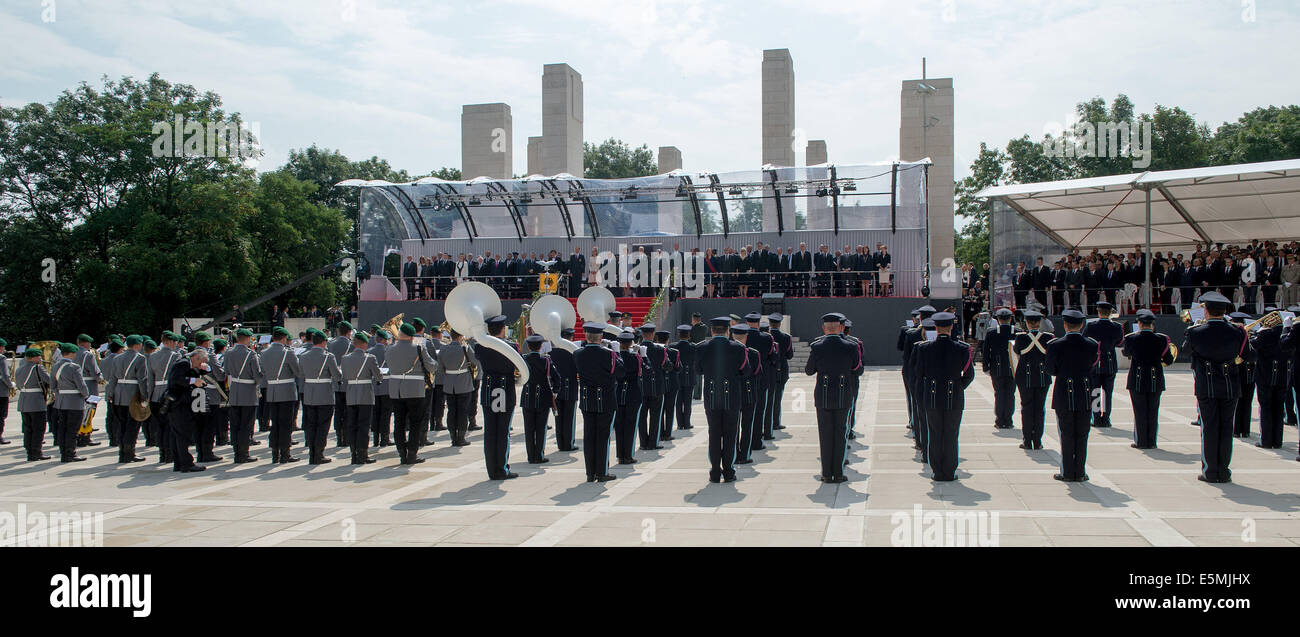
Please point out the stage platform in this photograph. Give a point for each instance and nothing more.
(1135, 498)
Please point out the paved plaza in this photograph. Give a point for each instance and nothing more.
(1135, 498)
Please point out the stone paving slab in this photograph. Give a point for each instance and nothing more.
(1005, 496)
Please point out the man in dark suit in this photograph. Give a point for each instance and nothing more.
(1071, 359)
(720, 361)
(1042, 281)
(410, 277)
(1021, 285)
(801, 263)
(1215, 345)
(1058, 287)
(835, 362)
(576, 269)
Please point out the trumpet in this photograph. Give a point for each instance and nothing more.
(1186, 315)
(1272, 319)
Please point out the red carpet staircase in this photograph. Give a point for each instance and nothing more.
(636, 306)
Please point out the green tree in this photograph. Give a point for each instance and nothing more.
(973, 238)
(1264, 134)
(614, 159)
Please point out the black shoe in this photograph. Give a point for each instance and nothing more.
(245, 460)
(286, 459)
(838, 479)
(47, 458)
(778, 427)
(385, 442)
(715, 479)
(744, 461)
(1057, 476)
(474, 428)
(591, 478)
(1082, 478)
(4, 442)
(626, 461)
(134, 459)
(606, 478)
(1026, 445)
(72, 459)
(1135, 445)
(731, 478)
(211, 459)
(193, 469)
(1038, 446)
(221, 442)
(255, 443)
(320, 461)
(542, 461)
(771, 437)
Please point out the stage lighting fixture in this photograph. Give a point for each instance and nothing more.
(681, 192)
(474, 200)
(735, 191)
(821, 192)
(850, 186)
(526, 199)
(791, 189)
(630, 193)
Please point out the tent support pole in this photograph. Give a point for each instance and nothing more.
(1146, 258)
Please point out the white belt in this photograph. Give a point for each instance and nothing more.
(279, 382)
(128, 382)
(359, 382)
(32, 390)
(69, 391)
(243, 381)
(405, 377)
(319, 380)
(452, 372)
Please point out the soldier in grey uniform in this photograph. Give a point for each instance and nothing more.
(160, 362)
(454, 360)
(221, 417)
(407, 366)
(340, 346)
(6, 386)
(321, 375)
(361, 376)
(32, 381)
(111, 425)
(130, 379)
(381, 423)
(90, 372)
(432, 415)
(244, 372)
(280, 372)
(69, 401)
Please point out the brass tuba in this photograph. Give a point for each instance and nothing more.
(594, 305)
(49, 350)
(467, 308)
(1272, 319)
(549, 315)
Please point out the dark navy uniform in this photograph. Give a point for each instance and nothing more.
(997, 363)
(750, 429)
(835, 361)
(1148, 353)
(1214, 346)
(1072, 359)
(599, 371)
(537, 401)
(720, 362)
(654, 385)
(1246, 376)
(672, 377)
(498, 402)
(945, 369)
(765, 376)
(1033, 381)
(629, 401)
(1274, 347)
(686, 377)
(784, 352)
(1108, 334)
(566, 397)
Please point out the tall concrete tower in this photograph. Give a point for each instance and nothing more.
(486, 141)
(778, 121)
(561, 120)
(926, 130)
(670, 209)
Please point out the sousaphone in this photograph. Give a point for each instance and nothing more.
(468, 307)
(550, 315)
(594, 305)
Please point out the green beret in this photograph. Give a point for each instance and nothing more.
(382, 334)
(220, 342)
(279, 331)
(407, 329)
(344, 326)
(32, 351)
(361, 336)
(4, 343)
(375, 327)
(243, 331)
(202, 337)
(67, 348)
(83, 338)
(133, 340)
(115, 339)
(148, 342)
(419, 323)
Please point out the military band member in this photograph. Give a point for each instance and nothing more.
(945, 368)
(381, 423)
(538, 399)
(599, 373)
(671, 383)
(216, 360)
(454, 361)
(997, 364)
(69, 401)
(361, 376)
(182, 384)
(910, 338)
(1072, 359)
(340, 346)
(6, 387)
(407, 366)
(207, 425)
(1246, 377)
(785, 352)
(834, 360)
(33, 381)
(281, 372)
(721, 362)
(160, 364)
(1274, 347)
(244, 373)
(321, 374)
(629, 398)
(1149, 353)
(750, 427)
(90, 372)
(1215, 346)
(566, 395)
(498, 401)
(1032, 379)
(1108, 335)
(654, 384)
(699, 334)
(765, 375)
(687, 377)
(437, 401)
(862, 355)
(115, 347)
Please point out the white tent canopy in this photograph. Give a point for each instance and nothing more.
(1228, 204)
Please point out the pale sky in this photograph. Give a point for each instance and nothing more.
(389, 78)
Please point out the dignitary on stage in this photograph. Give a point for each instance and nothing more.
(1149, 352)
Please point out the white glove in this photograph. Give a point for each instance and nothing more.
(1287, 321)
